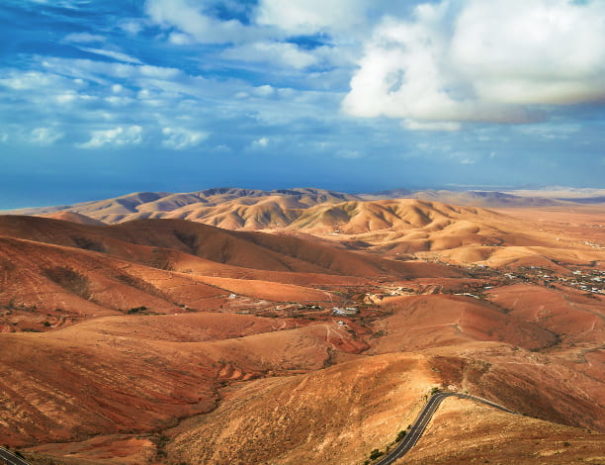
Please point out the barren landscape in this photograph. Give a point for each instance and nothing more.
(316, 339)
(302, 232)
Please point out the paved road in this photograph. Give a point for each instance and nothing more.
(418, 427)
(9, 458)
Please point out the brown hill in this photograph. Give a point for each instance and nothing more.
(432, 230)
(489, 435)
(73, 218)
(168, 341)
(339, 415)
(486, 199)
(333, 416)
(419, 227)
(55, 273)
(112, 375)
(143, 205)
(164, 243)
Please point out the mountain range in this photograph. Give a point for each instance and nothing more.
(236, 208)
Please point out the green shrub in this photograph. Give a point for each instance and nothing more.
(375, 454)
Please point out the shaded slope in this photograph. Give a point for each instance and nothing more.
(155, 242)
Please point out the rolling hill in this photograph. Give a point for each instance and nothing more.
(418, 227)
(171, 341)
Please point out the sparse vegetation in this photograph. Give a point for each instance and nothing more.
(88, 244)
(135, 310)
(188, 240)
(70, 280)
(160, 442)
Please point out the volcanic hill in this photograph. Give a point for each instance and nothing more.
(169, 341)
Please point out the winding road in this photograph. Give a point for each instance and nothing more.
(419, 426)
(409, 441)
(9, 458)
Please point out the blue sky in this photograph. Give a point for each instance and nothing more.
(100, 98)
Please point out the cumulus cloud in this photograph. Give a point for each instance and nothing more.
(180, 138)
(45, 136)
(478, 61)
(30, 80)
(118, 136)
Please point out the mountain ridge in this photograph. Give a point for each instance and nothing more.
(241, 208)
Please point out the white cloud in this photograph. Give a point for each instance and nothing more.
(93, 70)
(114, 55)
(180, 138)
(310, 16)
(264, 90)
(131, 27)
(188, 17)
(31, 80)
(42, 88)
(66, 97)
(178, 38)
(276, 53)
(415, 125)
(349, 154)
(118, 136)
(548, 131)
(119, 101)
(481, 61)
(261, 143)
(45, 136)
(84, 37)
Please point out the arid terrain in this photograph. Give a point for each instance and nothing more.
(303, 326)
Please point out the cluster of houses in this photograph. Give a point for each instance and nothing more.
(345, 311)
(590, 281)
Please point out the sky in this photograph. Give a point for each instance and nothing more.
(100, 98)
